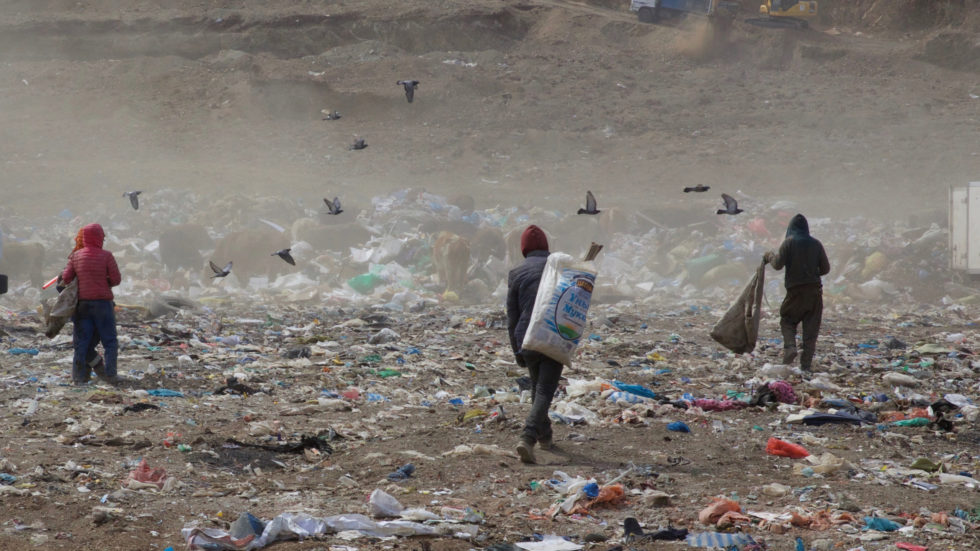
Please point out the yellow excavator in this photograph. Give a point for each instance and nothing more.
(785, 14)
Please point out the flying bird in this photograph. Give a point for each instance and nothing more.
(590, 206)
(284, 254)
(330, 116)
(410, 87)
(700, 188)
(333, 207)
(731, 205)
(220, 272)
(358, 144)
(134, 198)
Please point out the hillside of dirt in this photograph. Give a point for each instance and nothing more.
(550, 96)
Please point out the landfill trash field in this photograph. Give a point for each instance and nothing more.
(315, 207)
(306, 398)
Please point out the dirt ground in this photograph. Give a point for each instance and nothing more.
(873, 112)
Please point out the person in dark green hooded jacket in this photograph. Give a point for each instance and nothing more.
(805, 261)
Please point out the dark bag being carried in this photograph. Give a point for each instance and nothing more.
(57, 316)
(738, 329)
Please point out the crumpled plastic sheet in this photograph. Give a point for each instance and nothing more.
(300, 526)
(783, 391)
(708, 404)
(143, 473)
(719, 539)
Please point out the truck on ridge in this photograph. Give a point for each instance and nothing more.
(651, 11)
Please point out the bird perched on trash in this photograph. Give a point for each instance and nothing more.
(220, 272)
(134, 198)
(410, 87)
(700, 188)
(333, 207)
(330, 115)
(731, 205)
(590, 205)
(284, 254)
(358, 144)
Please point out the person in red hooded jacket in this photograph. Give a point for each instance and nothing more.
(92, 357)
(97, 273)
(522, 289)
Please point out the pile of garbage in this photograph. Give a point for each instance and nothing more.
(381, 254)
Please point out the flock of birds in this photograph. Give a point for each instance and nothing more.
(731, 205)
(334, 207)
(410, 85)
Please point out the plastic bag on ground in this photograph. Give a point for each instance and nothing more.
(577, 413)
(719, 539)
(738, 329)
(145, 475)
(382, 504)
(293, 526)
(781, 448)
(561, 307)
(718, 507)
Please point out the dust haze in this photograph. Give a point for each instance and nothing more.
(520, 104)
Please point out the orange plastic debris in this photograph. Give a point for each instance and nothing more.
(781, 448)
(608, 495)
(919, 412)
(731, 518)
(718, 507)
(891, 417)
(800, 521)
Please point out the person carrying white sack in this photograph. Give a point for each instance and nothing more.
(545, 372)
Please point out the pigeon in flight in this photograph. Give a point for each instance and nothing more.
(590, 206)
(284, 254)
(700, 188)
(731, 205)
(410, 87)
(134, 198)
(358, 144)
(330, 115)
(220, 272)
(333, 207)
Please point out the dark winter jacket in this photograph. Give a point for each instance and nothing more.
(803, 255)
(95, 267)
(522, 289)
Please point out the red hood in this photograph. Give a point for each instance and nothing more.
(93, 236)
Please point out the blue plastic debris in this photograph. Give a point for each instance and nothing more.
(165, 393)
(880, 524)
(639, 390)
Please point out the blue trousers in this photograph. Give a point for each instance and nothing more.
(95, 320)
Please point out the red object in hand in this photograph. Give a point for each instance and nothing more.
(781, 448)
(50, 283)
